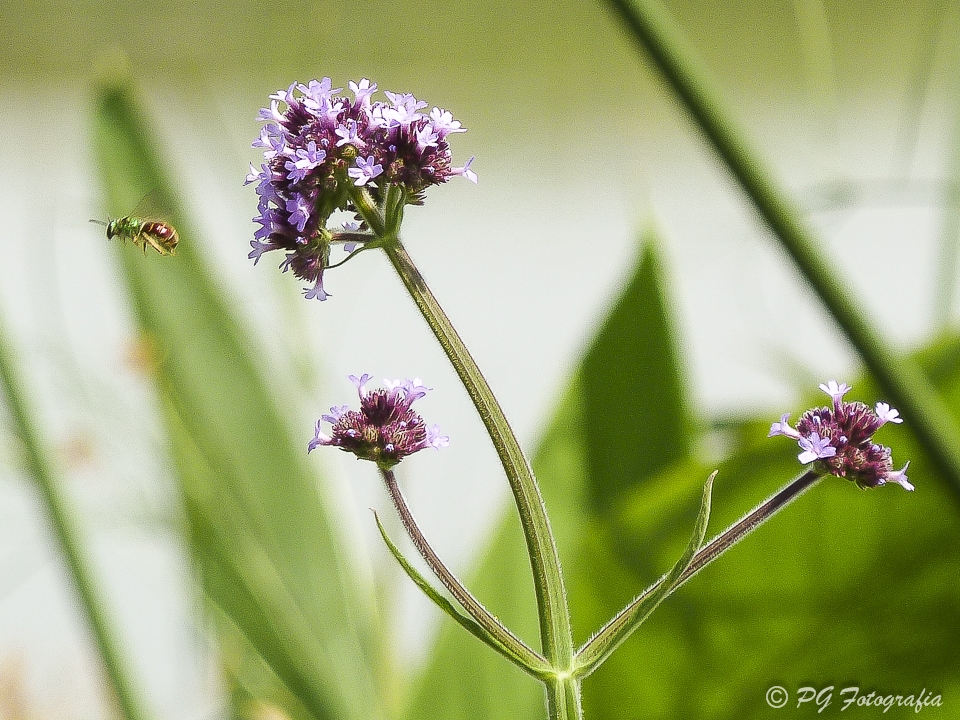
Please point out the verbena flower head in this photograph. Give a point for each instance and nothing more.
(840, 439)
(319, 148)
(385, 430)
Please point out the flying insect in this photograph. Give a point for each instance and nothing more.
(158, 234)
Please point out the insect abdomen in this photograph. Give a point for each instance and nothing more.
(159, 229)
(161, 236)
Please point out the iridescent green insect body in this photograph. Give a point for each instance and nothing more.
(159, 235)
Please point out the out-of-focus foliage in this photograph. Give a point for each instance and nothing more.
(260, 533)
(846, 587)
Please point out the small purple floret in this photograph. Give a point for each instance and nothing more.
(367, 169)
(386, 429)
(840, 439)
(783, 428)
(815, 448)
(317, 144)
(888, 414)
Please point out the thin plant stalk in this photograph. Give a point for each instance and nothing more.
(554, 616)
(935, 21)
(654, 29)
(531, 659)
(67, 536)
(615, 632)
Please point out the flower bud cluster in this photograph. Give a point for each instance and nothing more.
(385, 430)
(319, 149)
(840, 439)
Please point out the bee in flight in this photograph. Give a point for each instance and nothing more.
(159, 235)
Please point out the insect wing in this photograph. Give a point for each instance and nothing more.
(152, 206)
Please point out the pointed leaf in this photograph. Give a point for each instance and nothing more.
(612, 635)
(441, 602)
(633, 389)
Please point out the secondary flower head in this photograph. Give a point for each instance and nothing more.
(321, 149)
(840, 439)
(385, 430)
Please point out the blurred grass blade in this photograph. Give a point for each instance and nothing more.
(945, 286)
(243, 582)
(813, 36)
(67, 537)
(262, 535)
(651, 25)
(935, 21)
(255, 692)
(622, 419)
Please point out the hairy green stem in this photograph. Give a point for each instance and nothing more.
(563, 698)
(750, 522)
(651, 25)
(67, 536)
(555, 631)
(611, 635)
(529, 657)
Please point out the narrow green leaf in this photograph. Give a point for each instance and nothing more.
(945, 284)
(249, 494)
(612, 635)
(253, 688)
(441, 602)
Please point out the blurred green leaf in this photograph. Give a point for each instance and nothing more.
(69, 538)
(261, 534)
(846, 588)
(632, 390)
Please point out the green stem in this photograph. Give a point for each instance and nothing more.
(615, 632)
(555, 631)
(563, 698)
(68, 538)
(651, 25)
(530, 659)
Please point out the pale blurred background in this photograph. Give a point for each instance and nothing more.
(579, 149)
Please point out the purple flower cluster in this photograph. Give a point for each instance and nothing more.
(840, 438)
(320, 149)
(385, 430)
